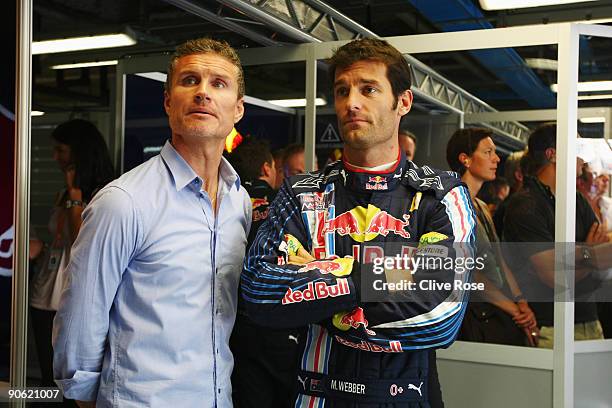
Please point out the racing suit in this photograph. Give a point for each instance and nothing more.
(361, 351)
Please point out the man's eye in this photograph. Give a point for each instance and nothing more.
(341, 92)
(370, 90)
(218, 84)
(190, 80)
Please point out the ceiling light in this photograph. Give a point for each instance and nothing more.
(82, 43)
(600, 119)
(593, 86)
(296, 103)
(542, 63)
(85, 64)
(156, 76)
(514, 4)
(37, 113)
(591, 97)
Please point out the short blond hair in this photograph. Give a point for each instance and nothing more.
(206, 46)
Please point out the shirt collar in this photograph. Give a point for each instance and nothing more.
(183, 174)
(534, 183)
(373, 181)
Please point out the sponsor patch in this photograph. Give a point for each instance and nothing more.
(431, 238)
(317, 291)
(354, 319)
(393, 347)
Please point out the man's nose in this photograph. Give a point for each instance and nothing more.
(202, 93)
(353, 101)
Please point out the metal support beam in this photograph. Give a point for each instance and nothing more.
(117, 143)
(565, 217)
(257, 13)
(311, 110)
(200, 11)
(23, 103)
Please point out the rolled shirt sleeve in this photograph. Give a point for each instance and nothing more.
(106, 242)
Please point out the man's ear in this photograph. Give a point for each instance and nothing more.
(266, 170)
(518, 174)
(166, 102)
(551, 154)
(239, 113)
(405, 102)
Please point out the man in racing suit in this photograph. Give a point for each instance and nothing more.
(312, 261)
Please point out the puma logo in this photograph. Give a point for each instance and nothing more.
(292, 337)
(417, 389)
(303, 381)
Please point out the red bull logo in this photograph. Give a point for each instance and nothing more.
(393, 347)
(316, 291)
(380, 183)
(363, 224)
(354, 319)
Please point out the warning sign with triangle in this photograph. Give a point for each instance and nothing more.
(330, 135)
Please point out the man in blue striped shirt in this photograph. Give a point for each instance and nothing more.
(148, 313)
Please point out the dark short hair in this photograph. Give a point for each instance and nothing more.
(544, 137)
(511, 165)
(206, 46)
(464, 141)
(406, 132)
(89, 154)
(249, 156)
(398, 70)
(291, 150)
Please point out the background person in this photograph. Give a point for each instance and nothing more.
(514, 176)
(148, 313)
(278, 155)
(82, 156)
(293, 160)
(265, 360)
(509, 319)
(408, 143)
(530, 219)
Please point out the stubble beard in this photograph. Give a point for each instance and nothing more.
(191, 129)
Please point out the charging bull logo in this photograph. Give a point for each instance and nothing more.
(355, 319)
(365, 224)
(337, 267)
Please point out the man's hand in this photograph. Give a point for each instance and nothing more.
(526, 317)
(86, 404)
(533, 336)
(597, 233)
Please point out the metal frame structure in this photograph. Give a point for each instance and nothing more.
(565, 35)
(313, 21)
(23, 98)
(538, 115)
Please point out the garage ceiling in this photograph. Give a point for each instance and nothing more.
(161, 25)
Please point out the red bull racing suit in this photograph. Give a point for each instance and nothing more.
(359, 351)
